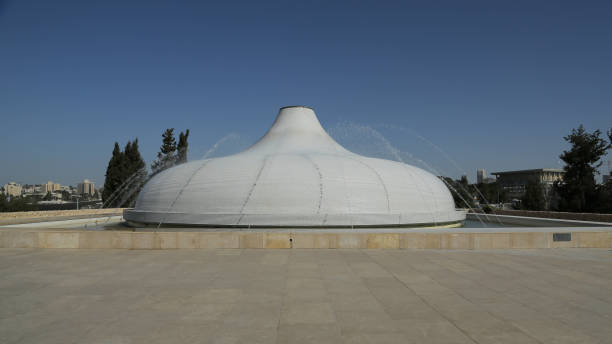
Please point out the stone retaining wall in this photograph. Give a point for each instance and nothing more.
(60, 213)
(557, 215)
(268, 240)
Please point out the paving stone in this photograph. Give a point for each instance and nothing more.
(304, 296)
(438, 331)
(308, 313)
(309, 333)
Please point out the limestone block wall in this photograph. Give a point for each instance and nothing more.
(60, 213)
(296, 240)
(557, 215)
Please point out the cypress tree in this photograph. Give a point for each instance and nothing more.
(134, 175)
(134, 159)
(181, 148)
(166, 157)
(125, 175)
(113, 175)
(124, 162)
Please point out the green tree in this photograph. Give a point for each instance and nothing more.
(604, 191)
(491, 192)
(578, 191)
(135, 174)
(48, 196)
(125, 175)
(3, 202)
(135, 162)
(604, 205)
(534, 196)
(166, 157)
(65, 195)
(8, 204)
(181, 148)
(114, 176)
(459, 191)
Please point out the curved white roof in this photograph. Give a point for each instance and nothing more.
(296, 175)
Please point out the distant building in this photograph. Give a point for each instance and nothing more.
(13, 189)
(86, 187)
(50, 187)
(481, 174)
(481, 177)
(515, 182)
(29, 189)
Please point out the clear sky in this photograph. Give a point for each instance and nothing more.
(493, 84)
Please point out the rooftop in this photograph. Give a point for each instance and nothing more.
(535, 170)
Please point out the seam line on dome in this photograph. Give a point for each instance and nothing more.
(178, 195)
(379, 179)
(307, 157)
(420, 191)
(244, 204)
(431, 192)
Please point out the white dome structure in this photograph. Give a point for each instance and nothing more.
(295, 176)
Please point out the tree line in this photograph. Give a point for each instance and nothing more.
(465, 194)
(577, 192)
(127, 173)
(10, 204)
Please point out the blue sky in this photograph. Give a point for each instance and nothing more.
(493, 84)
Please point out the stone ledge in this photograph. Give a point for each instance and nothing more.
(597, 217)
(59, 213)
(272, 240)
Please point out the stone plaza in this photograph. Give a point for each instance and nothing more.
(305, 296)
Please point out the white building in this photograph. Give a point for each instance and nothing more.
(50, 187)
(13, 189)
(296, 175)
(86, 187)
(29, 189)
(481, 174)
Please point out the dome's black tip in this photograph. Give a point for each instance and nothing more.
(297, 106)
